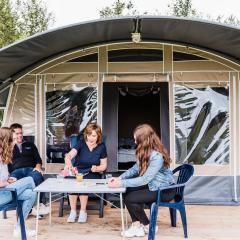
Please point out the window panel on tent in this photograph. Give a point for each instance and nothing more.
(202, 123)
(23, 111)
(3, 103)
(69, 108)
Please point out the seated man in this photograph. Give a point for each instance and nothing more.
(26, 162)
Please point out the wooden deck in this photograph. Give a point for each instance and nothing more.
(204, 222)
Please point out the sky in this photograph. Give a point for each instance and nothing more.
(73, 11)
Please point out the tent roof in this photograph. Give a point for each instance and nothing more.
(22, 56)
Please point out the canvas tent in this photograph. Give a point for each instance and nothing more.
(181, 75)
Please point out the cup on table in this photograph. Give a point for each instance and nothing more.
(79, 177)
(108, 177)
(60, 178)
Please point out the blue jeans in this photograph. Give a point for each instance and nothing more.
(28, 172)
(25, 193)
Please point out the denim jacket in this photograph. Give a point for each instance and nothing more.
(156, 175)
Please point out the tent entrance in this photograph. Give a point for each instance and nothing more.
(126, 105)
(138, 104)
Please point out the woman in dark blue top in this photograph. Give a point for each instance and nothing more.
(91, 158)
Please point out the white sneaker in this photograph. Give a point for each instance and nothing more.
(82, 217)
(43, 210)
(146, 229)
(29, 232)
(134, 231)
(72, 217)
(34, 213)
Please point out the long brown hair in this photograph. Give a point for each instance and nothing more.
(6, 146)
(147, 140)
(93, 127)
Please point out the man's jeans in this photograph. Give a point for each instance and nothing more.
(25, 193)
(28, 172)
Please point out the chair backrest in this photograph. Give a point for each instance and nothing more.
(185, 172)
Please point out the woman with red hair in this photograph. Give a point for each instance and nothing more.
(90, 159)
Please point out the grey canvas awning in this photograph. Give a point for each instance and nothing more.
(22, 56)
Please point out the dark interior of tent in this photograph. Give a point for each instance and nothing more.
(125, 106)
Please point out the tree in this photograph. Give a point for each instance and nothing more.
(231, 20)
(8, 23)
(119, 8)
(182, 8)
(22, 18)
(33, 17)
(179, 8)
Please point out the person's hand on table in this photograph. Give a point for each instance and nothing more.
(114, 182)
(11, 180)
(94, 168)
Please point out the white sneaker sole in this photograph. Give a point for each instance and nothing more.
(71, 221)
(134, 235)
(82, 221)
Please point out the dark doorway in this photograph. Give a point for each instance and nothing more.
(137, 104)
(134, 110)
(126, 105)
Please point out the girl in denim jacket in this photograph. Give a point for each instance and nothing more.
(142, 181)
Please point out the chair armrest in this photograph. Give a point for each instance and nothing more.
(172, 186)
(166, 188)
(12, 190)
(8, 189)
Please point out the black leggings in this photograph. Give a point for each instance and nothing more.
(136, 197)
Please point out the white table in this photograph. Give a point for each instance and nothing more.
(95, 186)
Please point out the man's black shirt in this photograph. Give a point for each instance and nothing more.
(29, 156)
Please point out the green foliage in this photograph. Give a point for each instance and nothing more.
(22, 18)
(33, 17)
(119, 8)
(8, 23)
(179, 8)
(182, 8)
(231, 20)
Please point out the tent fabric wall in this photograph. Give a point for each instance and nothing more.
(218, 44)
(23, 108)
(215, 190)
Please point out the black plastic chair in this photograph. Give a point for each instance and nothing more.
(15, 204)
(185, 172)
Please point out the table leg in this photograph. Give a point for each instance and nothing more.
(126, 220)
(37, 217)
(122, 215)
(50, 206)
